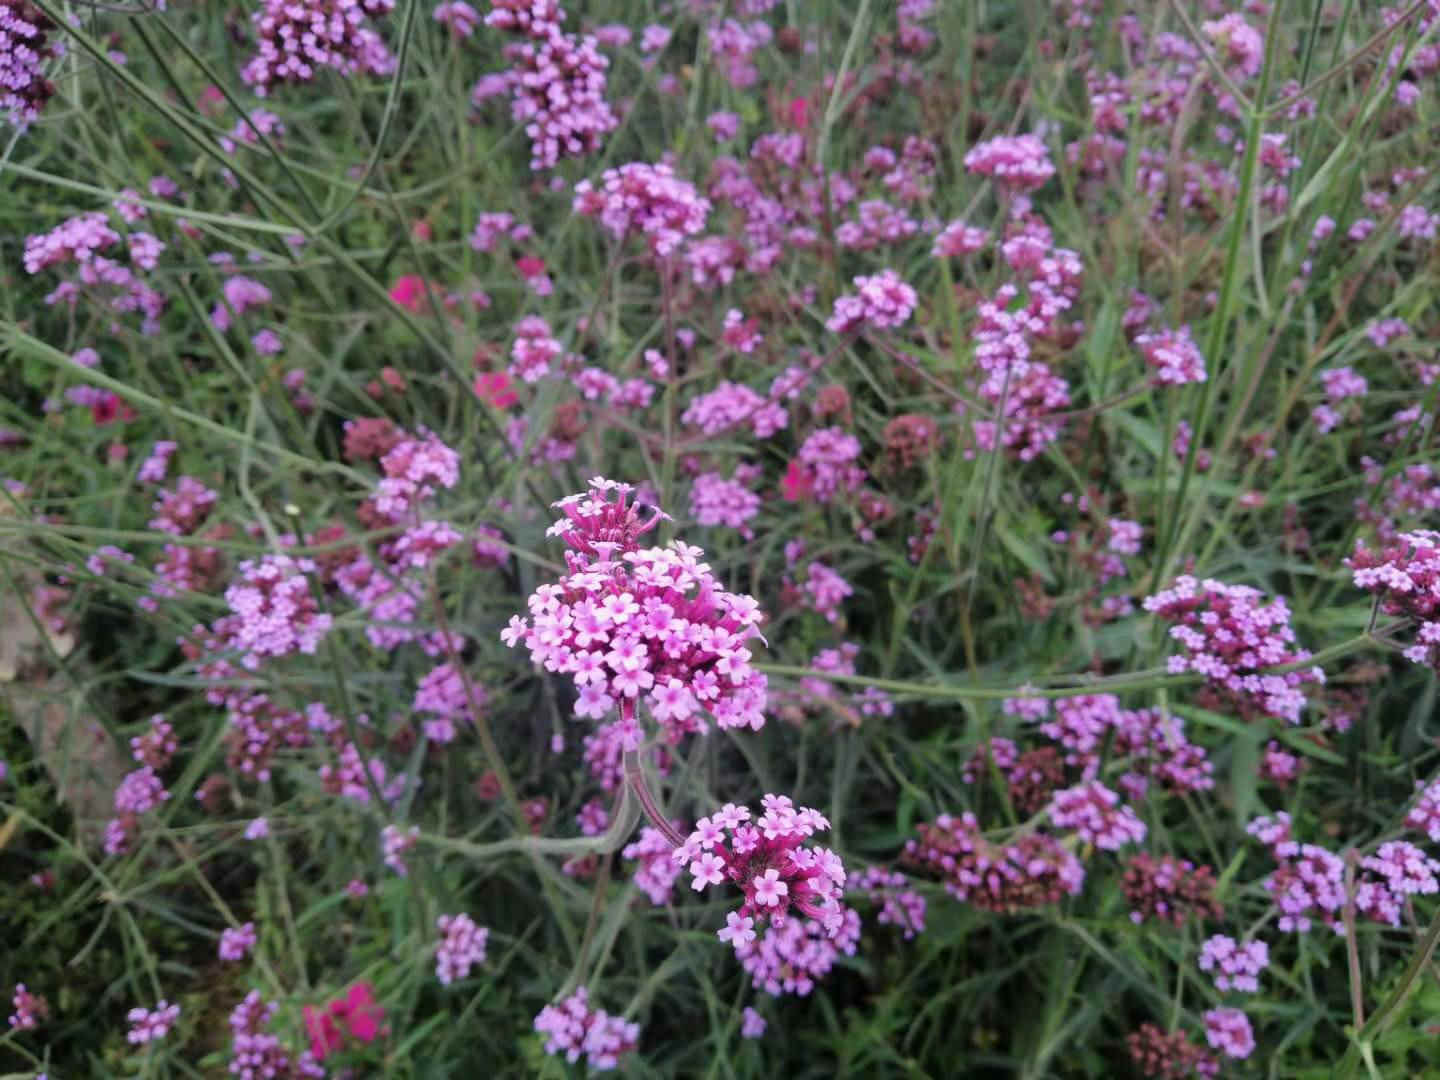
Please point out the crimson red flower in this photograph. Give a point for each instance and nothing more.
(356, 1016)
(109, 409)
(797, 483)
(409, 292)
(493, 388)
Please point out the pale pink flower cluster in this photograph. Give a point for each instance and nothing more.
(731, 404)
(882, 302)
(1017, 163)
(1230, 637)
(779, 876)
(959, 238)
(1174, 356)
(461, 947)
(646, 199)
(631, 624)
(1406, 577)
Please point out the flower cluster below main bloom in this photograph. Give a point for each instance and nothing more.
(768, 860)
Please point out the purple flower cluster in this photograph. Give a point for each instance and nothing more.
(715, 501)
(1424, 816)
(1017, 163)
(1032, 870)
(729, 405)
(77, 239)
(646, 199)
(791, 958)
(25, 45)
(1308, 880)
(1406, 577)
(150, 1025)
(574, 1029)
(157, 746)
(30, 1010)
(442, 694)
(415, 469)
(1229, 637)
(1097, 815)
(1228, 1030)
(1169, 888)
(461, 947)
(628, 623)
(556, 83)
(273, 611)
(771, 865)
(1174, 356)
(1235, 965)
(1397, 870)
(890, 890)
(138, 793)
(297, 37)
(394, 843)
(959, 238)
(154, 468)
(882, 301)
(827, 461)
(237, 941)
(657, 871)
(257, 1055)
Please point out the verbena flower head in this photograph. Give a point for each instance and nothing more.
(1229, 636)
(1168, 888)
(30, 1009)
(1174, 356)
(1228, 1030)
(769, 862)
(646, 199)
(25, 45)
(653, 624)
(571, 1027)
(298, 37)
(1031, 870)
(237, 941)
(1168, 1056)
(461, 947)
(273, 612)
(149, 1025)
(883, 301)
(1015, 162)
(1406, 577)
(1097, 815)
(1235, 966)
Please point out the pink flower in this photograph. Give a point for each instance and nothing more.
(409, 292)
(354, 1015)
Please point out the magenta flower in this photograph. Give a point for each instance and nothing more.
(1235, 966)
(571, 1027)
(298, 37)
(646, 199)
(1016, 163)
(1228, 1030)
(632, 624)
(236, 942)
(767, 859)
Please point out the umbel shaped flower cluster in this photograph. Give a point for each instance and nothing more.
(1406, 576)
(767, 859)
(25, 45)
(1229, 637)
(653, 624)
(1032, 870)
(296, 37)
